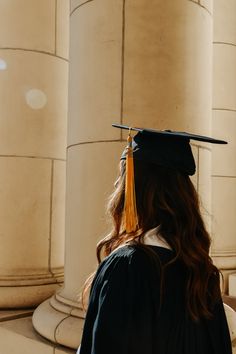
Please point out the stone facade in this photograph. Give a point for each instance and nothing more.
(163, 64)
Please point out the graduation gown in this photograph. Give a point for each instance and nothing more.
(127, 314)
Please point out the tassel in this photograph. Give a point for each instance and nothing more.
(131, 217)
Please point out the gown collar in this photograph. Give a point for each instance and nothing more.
(153, 238)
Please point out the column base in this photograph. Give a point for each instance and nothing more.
(59, 322)
(224, 261)
(232, 285)
(24, 292)
(24, 297)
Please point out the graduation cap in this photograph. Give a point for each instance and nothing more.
(161, 147)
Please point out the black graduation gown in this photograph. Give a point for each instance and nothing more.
(127, 315)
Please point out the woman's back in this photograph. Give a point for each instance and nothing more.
(136, 308)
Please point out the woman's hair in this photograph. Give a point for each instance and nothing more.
(168, 199)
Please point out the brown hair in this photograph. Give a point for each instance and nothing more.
(167, 198)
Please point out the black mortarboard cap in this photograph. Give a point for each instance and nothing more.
(166, 148)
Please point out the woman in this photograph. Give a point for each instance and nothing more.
(157, 290)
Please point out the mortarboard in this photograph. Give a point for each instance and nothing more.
(161, 147)
(166, 148)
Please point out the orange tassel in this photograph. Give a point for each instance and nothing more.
(131, 217)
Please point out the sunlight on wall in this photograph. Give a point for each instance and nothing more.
(36, 99)
(3, 64)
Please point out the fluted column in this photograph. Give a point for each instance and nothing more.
(133, 62)
(33, 91)
(224, 124)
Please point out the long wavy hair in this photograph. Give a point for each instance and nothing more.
(168, 199)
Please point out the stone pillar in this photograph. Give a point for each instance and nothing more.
(132, 62)
(224, 125)
(33, 91)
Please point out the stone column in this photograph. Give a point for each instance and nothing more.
(133, 62)
(33, 91)
(224, 125)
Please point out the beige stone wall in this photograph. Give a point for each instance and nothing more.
(132, 62)
(33, 91)
(224, 125)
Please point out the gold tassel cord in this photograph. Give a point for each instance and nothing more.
(131, 217)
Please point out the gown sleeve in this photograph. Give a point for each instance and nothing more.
(119, 316)
(219, 330)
